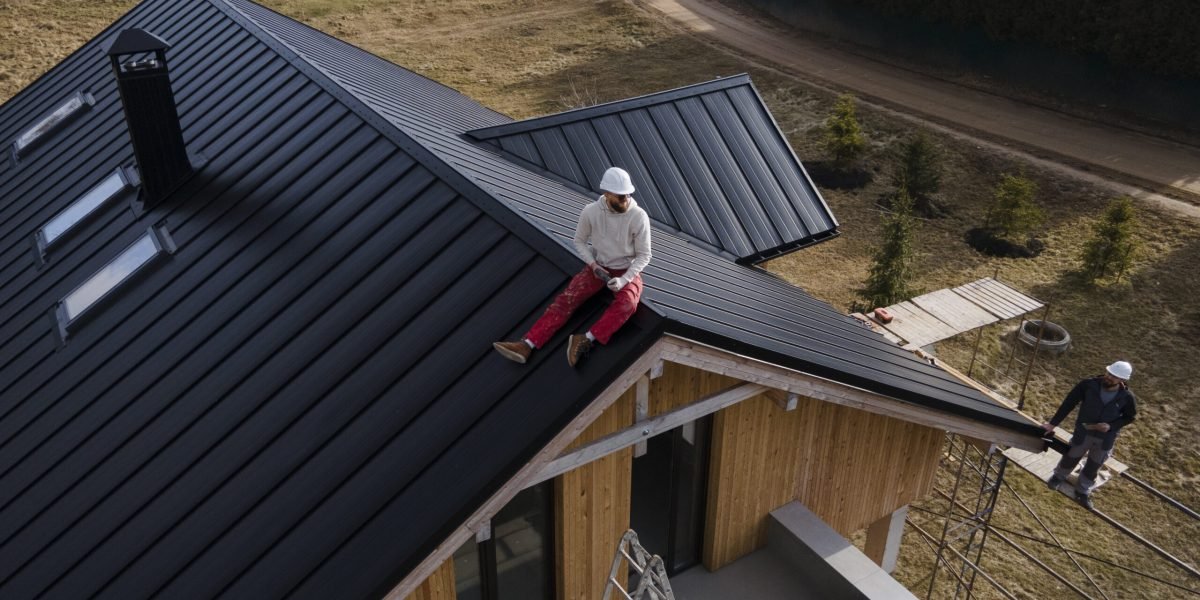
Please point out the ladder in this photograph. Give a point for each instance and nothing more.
(652, 581)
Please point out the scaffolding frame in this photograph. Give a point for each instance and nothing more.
(978, 473)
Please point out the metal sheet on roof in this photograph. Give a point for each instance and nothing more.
(270, 412)
(708, 161)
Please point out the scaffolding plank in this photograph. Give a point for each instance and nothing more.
(998, 298)
(1041, 465)
(953, 309)
(916, 326)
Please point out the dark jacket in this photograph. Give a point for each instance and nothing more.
(1118, 413)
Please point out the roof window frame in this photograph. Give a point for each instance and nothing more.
(43, 243)
(163, 246)
(30, 138)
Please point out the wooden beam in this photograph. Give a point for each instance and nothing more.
(484, 533)
(641, 410)
(701, 356)
(786, 400)
(526, 474)
(647, 429)
(656, 371)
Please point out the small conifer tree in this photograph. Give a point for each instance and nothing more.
(843, 135)
(1014, 214)
(920, 174)
(888, 281)
(1110, 250)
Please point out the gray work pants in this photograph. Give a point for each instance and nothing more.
(1092, 447)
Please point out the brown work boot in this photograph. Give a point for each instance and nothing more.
(577, 347)
(517, 351)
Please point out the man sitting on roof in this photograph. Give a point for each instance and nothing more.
(1105, 406)
(619, 232)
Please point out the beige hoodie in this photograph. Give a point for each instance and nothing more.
(619, 240)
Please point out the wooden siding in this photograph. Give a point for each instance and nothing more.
(848, 466)
(858, 467)
(439, 585)
(591, 509)
(752, 471)
(680, 385)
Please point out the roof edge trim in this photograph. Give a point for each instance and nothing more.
(723, 343)
(599, 110)
(788, 248)
(529, 231)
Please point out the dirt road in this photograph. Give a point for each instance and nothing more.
(1131, 162)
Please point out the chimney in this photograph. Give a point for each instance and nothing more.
(139, 60)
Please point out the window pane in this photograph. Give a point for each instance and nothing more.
(44, 126)
(110, 276)
(82, 207)
(522, 533)
(468, 585)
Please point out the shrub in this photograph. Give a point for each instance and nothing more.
(843, 136)
(888, 281)
(920, 174)
(1110, 250)
(1014, 214)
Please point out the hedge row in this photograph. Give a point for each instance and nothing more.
(1162, 36)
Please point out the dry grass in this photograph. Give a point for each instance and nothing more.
(528, 57)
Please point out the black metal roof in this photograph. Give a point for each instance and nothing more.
(302, 400)
(708, 161)
(706, 295)
(307, 383)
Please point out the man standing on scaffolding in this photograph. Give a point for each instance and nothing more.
(1105, 406)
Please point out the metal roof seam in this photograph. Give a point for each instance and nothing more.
(511, 219)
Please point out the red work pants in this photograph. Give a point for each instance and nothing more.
(584, 285)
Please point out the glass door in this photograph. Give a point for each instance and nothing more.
(670, 483)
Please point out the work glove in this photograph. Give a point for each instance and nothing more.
(616, 283)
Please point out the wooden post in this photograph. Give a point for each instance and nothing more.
(883, 539)
(641, 411)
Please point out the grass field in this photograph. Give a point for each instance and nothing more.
(530, 57)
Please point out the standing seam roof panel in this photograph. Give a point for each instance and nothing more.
(698, 178)
(665, 173)
(750, 159)
(727, 174)
(801, 192)
(615, 137)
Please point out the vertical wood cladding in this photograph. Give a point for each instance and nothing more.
(858, 467)
(848, 466)
(591, 509)
(752, 471)
(680, 385)
(439, 585)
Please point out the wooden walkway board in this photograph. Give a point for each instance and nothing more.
(953, 309)
(1041, 465)
(998, 298)
(916, 326)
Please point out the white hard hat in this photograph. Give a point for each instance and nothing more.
(617, 181)
(1120, 370)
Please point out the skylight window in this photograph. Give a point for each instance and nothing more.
(101, 285)
(82, 208)
(61, 115)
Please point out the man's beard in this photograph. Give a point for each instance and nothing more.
(618, 208)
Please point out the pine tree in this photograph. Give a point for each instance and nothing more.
(843, 136)
(888, 281)
(1112, 245)
(920, 174)
(1014, 214)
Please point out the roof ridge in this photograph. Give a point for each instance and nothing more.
(608, 108)
(547, 173)
(543, 242)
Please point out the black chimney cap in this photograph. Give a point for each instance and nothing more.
(133, 41)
